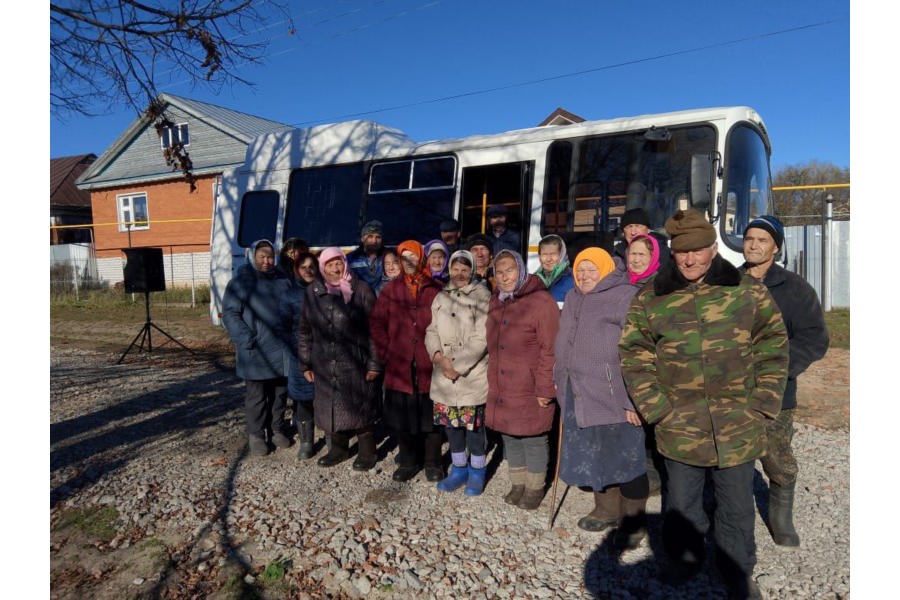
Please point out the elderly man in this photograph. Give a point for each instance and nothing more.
(450, 235)
(704, 356)
(808, 336)
(367, 261)
(501, 235)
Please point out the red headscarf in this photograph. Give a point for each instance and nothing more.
(414, 281)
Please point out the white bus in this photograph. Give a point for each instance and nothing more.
(323, 183)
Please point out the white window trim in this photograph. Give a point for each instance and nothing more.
(176, 131)
(126, 213)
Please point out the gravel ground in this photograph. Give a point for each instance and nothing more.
(159, 438)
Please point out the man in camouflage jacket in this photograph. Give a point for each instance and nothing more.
(705, 355)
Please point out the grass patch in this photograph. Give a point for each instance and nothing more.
(98, 523)
(273, 573)
(838, 323)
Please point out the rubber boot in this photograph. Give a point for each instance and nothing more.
(781, 515)
(607, 510)
(475, 483)
(517, 482)
(455, 480)
(534, 491)
(307, 431)
(365, 451)
(434, 441)
(633, 527)
(258, 446)
(339, 451)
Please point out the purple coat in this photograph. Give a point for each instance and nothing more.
(587, 351)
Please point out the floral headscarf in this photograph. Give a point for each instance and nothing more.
(654, 259)
(523, 273)
(343, 287)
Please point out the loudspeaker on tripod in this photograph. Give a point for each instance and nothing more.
(143, 270)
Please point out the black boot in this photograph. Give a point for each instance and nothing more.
(365, 451)
(781, 515)
(339, 452)
(434, 469)
(307, 431)
(408, 457)
(607, 510)
(633, 527)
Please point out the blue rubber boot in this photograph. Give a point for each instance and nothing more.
(475, 483)
(455, 480)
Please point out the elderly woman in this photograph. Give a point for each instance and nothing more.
(250, 314)
(398, 323)
(391, 267)
(456, 340)
(299, 390)
(337, 355)
(436, 254)
(522, 324)
(602, 442)
(554, 270)
(643, 258)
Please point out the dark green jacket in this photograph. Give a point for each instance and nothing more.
(707, 363)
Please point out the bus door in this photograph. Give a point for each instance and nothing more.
(506, 184)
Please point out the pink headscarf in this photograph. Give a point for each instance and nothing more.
(343, 287)
(654, 259)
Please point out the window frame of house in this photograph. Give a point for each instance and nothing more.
(179, 131)
(121, 209)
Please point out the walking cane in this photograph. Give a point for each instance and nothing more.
(556, 476)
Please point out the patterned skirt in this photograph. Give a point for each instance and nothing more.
(600, 455)
(465, 417)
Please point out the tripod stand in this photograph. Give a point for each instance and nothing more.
(144, 334)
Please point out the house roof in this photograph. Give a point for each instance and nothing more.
(561, 116)
(63, 173)
(219, 139)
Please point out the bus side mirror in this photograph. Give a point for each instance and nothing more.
(701, 181)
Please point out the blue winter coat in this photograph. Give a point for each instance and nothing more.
(251, 317)
(291, 307)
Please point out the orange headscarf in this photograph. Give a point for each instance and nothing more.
(414, 281)
(601, 259)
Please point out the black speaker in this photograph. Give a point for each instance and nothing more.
(144, 270)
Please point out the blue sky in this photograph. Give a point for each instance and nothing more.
(450, 68)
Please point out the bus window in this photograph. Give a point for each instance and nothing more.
(591, 182)
(323, 205)
(747, 183)
(259, 217)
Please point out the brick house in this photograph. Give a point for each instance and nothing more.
(68, 204)
(139, 201)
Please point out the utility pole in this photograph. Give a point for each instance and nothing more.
(827, 217)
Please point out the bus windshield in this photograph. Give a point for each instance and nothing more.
(749, 193)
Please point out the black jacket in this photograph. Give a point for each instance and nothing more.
(805, 322)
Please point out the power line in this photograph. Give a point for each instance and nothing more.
(572, 74)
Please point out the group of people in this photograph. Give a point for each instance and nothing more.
(452, 339)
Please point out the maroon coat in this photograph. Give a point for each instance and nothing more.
(397, 325)
(520, 337)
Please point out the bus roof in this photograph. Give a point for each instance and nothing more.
(358, 140)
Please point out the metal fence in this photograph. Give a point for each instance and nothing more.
(75, 268)
(826, 266)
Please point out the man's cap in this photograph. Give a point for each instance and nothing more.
(497, 210)
(449, 225)
(635, 216)
(771, 224)
(479, 239)
(372, 226)
(689, 230)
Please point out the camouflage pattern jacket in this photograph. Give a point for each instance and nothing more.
(706, 363)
